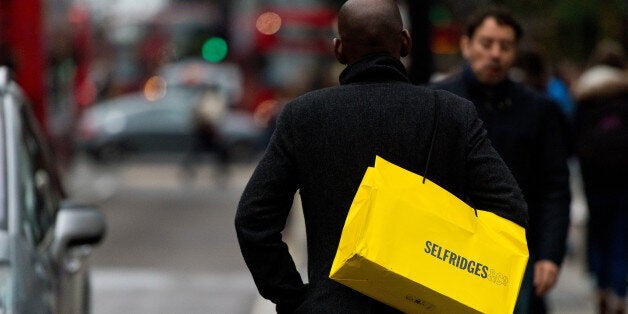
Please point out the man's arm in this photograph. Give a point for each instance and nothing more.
(555, 194)
(553, 215)
(261, 216)
(490, 184)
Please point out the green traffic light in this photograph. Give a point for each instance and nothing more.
(214, 49)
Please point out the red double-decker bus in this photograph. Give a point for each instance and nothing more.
(285, 50)
(47, 46)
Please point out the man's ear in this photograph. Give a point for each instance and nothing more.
(406, 43)
(340, 56)
(464, 46)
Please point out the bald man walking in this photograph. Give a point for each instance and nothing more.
(325, 140)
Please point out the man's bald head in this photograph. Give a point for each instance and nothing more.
(370, 26)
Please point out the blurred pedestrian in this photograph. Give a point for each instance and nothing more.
(325, 140)
(207, 113)
(540, 76)
(531, 135)
(602, 147)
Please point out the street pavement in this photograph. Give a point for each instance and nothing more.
(170, 245)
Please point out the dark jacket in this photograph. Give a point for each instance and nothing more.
(601, 124)
(323, 144)
(532, 136)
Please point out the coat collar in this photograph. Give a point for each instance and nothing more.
(475, 88)
(374, 68)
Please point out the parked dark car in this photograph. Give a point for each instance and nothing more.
(160, 120)
(45, 239)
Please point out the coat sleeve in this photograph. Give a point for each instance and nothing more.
(261, 216)
(552, 223)
(490, 184)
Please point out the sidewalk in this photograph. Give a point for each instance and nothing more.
(574, 291)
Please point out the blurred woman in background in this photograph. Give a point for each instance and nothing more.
(601, 127)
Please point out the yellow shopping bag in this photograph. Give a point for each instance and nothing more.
(413, 245)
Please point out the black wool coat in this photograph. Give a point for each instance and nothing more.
(322, 145)
(532, 136)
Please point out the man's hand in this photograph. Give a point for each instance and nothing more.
(545, 276)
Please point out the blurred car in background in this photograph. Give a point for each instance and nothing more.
(45, 240)
(160, 119)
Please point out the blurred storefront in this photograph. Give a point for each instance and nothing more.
(564, 30)
(70, 54)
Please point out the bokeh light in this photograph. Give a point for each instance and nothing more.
(215, 49)
(268, 23)
(155, 88)
(265, 111)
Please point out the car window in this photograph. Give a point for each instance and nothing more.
(3, 175)
(159, 119)
(28, 196)
(38, 199)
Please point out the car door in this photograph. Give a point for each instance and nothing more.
(29, 215)
(44, 242)
(158, 130)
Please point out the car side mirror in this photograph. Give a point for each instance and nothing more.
(77, 225)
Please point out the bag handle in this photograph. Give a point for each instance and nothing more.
(429, 153)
